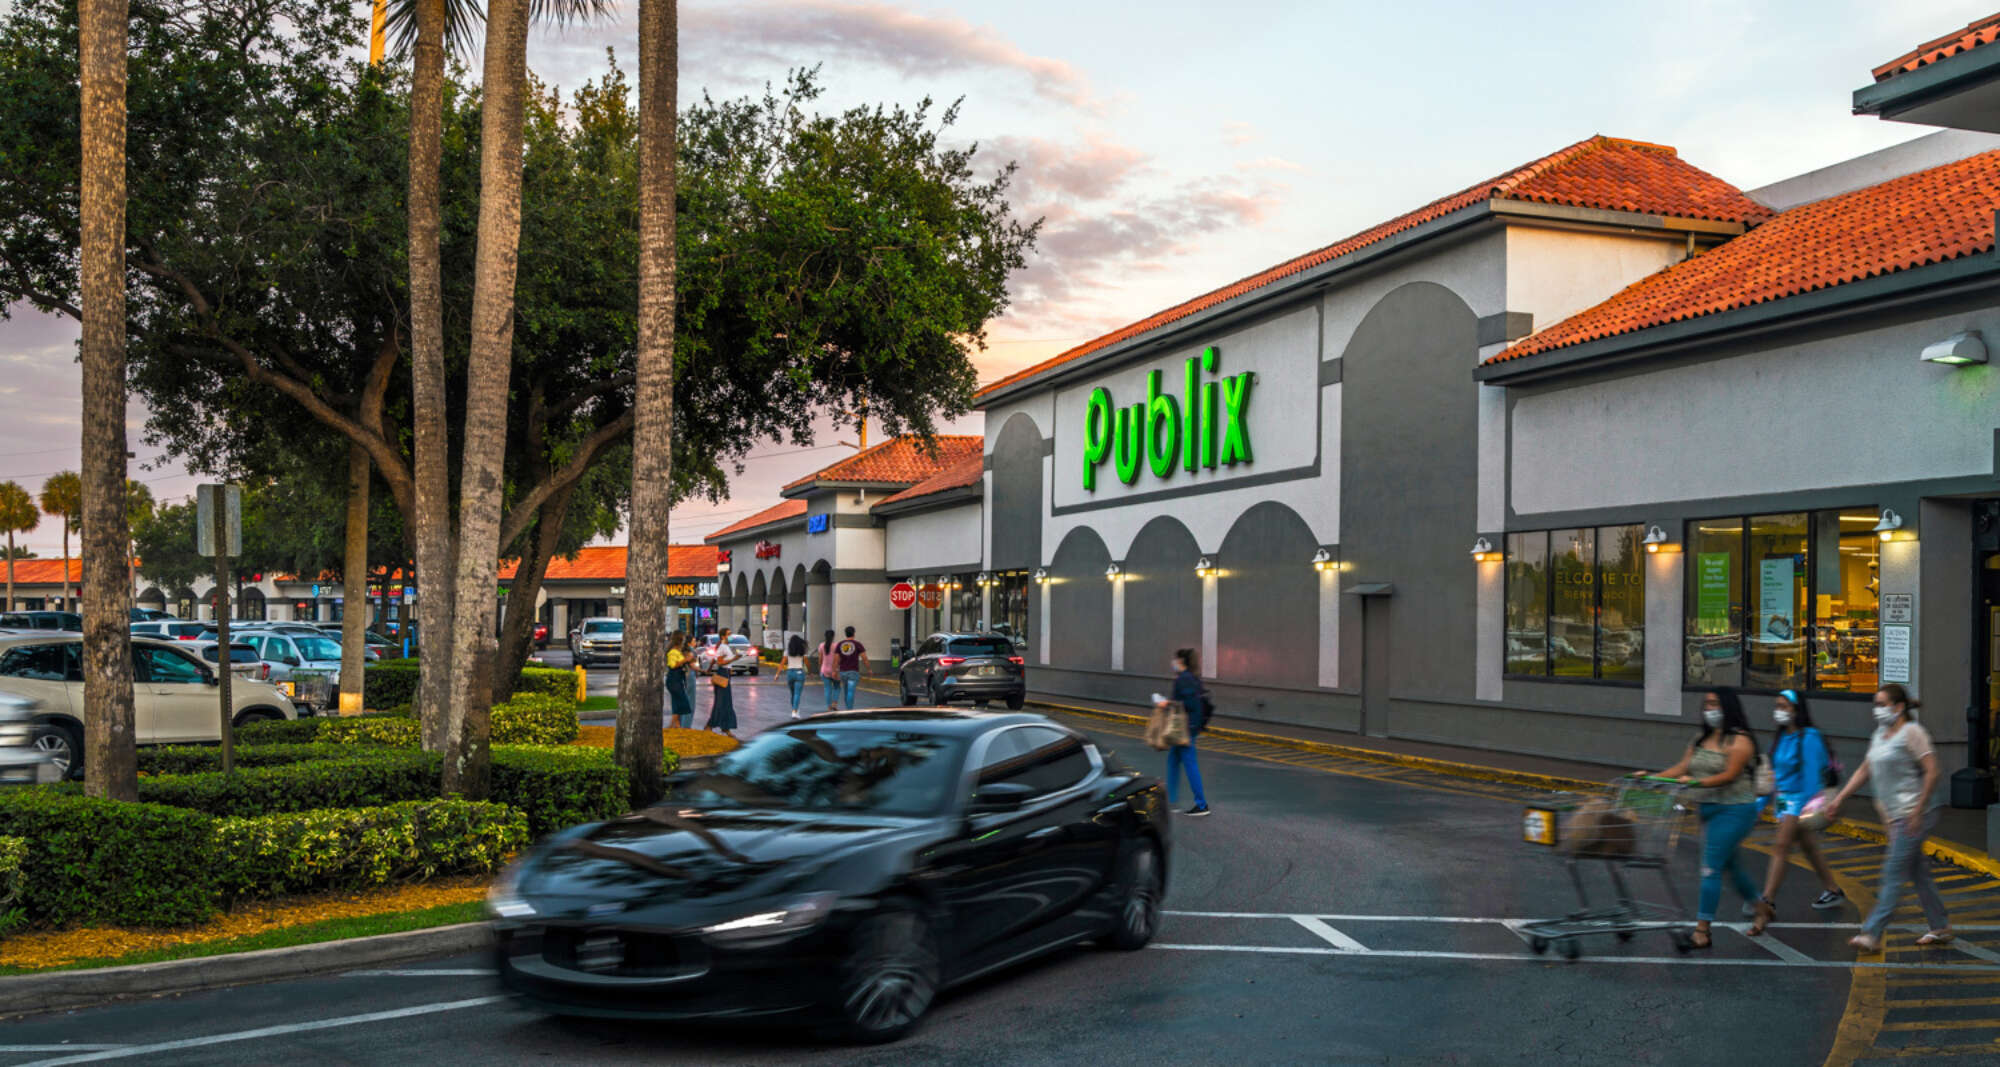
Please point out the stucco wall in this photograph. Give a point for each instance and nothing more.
(928, 541)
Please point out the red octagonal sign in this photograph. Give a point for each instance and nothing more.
(902, 595)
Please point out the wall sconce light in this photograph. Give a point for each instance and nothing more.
(984, 578)
(1041, 575)
(1958, 350)
(956, 585)
(1114, 572)
(1656, 540)
(1484, 552)
(1891, 527)
(1205, 567)
(1323, 560)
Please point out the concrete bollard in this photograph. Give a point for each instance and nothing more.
(582, 685)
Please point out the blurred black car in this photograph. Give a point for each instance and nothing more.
(841, 871)
(979, 667)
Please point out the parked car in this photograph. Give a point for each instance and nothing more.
(979, 667)
(745, 653)
(173, 694)
(305, 667)
(149, 615)
(174, 630)
(597, 639)
(22, 760)
(541, 635)
(379, 644)
(245, 661)
(66, 621)
(842, 870)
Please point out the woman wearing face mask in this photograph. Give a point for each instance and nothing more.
(1801, 763)
(1905, 772)
(1722, 760)
(1194, 698)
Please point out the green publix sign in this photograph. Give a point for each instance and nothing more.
(1204, 427)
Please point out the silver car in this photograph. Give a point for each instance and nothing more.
(597, 639)
(305, 667)
(23, 760)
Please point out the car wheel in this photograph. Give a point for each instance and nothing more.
(903, 691)
(1139, 910)
(260, 715)
(1015, 701)
(889, 977)
(63, 745)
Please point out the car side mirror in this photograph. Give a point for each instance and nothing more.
(211, 678)
(995, 797)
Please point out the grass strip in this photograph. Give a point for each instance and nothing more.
(284, 937)
(600, 702)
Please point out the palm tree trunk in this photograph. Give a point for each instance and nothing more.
(109, 759)
(354, 585)
(432, 461)
(10, 570)
(489, 363)
(642, 675)
(68, 589)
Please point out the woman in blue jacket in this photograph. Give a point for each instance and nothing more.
(1802, 764)
(1188, 690)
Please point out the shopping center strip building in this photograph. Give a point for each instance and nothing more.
(1526, 468)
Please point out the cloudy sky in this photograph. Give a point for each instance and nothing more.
(1174, 146)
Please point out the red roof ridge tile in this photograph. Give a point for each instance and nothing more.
(784, 509)
(965, 472)
(1914, 220)
(1648, 177)
(904, 461)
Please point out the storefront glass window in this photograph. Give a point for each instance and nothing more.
(1528, 603)
(1572, 602)
(1576, 604)
(1009, 613)
(965, 603)
(1621, 615)
(1714, 602)
(1783, 601)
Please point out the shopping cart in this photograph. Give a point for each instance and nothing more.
(1635, 826)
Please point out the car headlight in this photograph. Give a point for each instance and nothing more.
(799, 915)
(503, 900)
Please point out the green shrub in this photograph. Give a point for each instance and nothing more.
(535, 719)
(13, 852)
(559, 787)
(390, 682)
(391, 730)
(108, 862)
(354, 848)
(364, 778)
(273, 732)
(196, 759)
(546, 681)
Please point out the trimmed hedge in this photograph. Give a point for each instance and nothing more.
(528, 719)
(535, 719)
(559, 787)
(378, 776)
(391, 682)
(269, 732)
(104, 861)
(353, 848)
(13, 852)
(546, 681)
(391, 730)
(198, 759)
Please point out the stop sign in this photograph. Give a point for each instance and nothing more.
(902, 595)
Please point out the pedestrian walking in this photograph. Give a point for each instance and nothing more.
(853, 657)
(1193, 697)
(795, 669)
(829, 672)
(1722, 760)
(679, 693)
(1904, 768)
(1802, 764)
(722, 703)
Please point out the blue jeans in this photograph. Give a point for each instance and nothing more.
(1905, 861)
(1182, 757)
(848, 681)
(831, 685)
(796, 680)
(1724, 826)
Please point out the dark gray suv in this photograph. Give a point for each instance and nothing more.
(964, 666)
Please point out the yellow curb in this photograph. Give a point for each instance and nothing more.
(1862, 831)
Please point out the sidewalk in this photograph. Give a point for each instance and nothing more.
(1962, 829)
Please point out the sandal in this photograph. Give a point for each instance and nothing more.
(1766, 911)
(1700, 938)
(1937, 937)
(1865, 943)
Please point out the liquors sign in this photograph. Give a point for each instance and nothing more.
(1204, 427)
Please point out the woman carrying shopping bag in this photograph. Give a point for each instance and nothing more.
(1188, 692)
(679, 694)
(1905, 771)
(1803, 765)
(722, 706)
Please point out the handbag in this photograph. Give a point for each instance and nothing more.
(720, 681)
(1766, 779)
(1168, 726)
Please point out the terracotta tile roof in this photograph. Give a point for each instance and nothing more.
(790, 509)
(43, 571)
(1982, 32)
(1602, 172)
(1916, 220)
(607, 563)
(967, 471)
(901, 461)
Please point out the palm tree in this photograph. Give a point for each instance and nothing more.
(18, 514)
(642, 686)
(62, 495)
(109, 759)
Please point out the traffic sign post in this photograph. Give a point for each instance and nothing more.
(902, 595)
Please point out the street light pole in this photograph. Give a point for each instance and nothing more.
(219, 524)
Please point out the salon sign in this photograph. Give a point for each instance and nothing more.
(1205, 426)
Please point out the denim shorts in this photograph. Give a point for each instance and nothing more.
(1788, 804)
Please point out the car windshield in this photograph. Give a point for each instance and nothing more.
(738, 639)
(318, 648)
(613, 626)
(237, 654)
(981, 646)
(843, 768)
(185, 629)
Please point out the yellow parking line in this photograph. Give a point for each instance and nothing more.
(1944, 1024)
